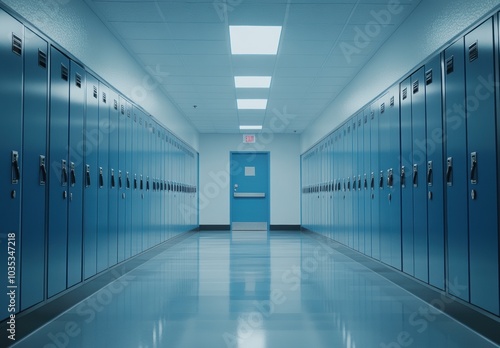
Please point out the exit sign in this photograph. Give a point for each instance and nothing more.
(248, 138)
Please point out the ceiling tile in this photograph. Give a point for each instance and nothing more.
(319, 13)
(305, 47)
(246, 13)
(312, 32)
(179, 12)
(300, 60)
(138, 11)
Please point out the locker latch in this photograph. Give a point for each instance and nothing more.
(64, 173)
(473, 168)
(348, 183)
(101, 178)
(113, 183)
(381, 180)
(403, 176)
(359, 182)
(147, 183)
(128, 180)
(120, 179)
(354, 183)
(135, 181)
(87, 175)
(390, 177)
(372, 181)
(449, 171)
(16, 171)
(415, 175)
(42, 170)
(141, 183)
(429, 173)
(72, 174)
(365, 182)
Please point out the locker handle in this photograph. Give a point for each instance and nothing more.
(113, 183)
(449, 171)
(87, 176)
(429, 176)
(403, 176)
(72, 175)
(142, 184)
(120, 179)
(415, 175)
(372, 183)
(43, 170)
(147, 184)
(381, 181)
(16, 171)
(390, 178)
(128, 181)
(101, 178)
(366, 183)
(473, 169)
(354, 187)
(359, 183)
(64, 173)
(135, 181)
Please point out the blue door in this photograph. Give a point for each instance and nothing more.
(249, 190)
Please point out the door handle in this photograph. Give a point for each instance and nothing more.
(365, 183)
(449, 171)
(135, 181)
(372, 181)
(120, 179)
(64, 173)
(42, 170)
(87, 175)
(473, 169)
(147, 184)
(381, 180)
(101, 178)
(415, 175)
(354, 186)
(113, 178)
(128, 181)
(72, 174)
(429, 173)
(403, 176)
(390, 178)
(359, 182)
(16, 170)
(141, 183)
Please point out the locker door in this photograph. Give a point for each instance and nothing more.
(76, 173)
(366, 181)
(384, 149)
(354, 170)
(34, 170)
(91, 175)
(114, 185)
(148, 210)
(349, 194)
(406, 175)
(58, 173)
(360, 193)
(11, 71)
(103, 180)
(129, 179)
(434, 173)
(373, 180)
(456, 171)
(482, 164)
(419, 167)
(393, 178)
(342, 185)
(138, 185)
(123, 178)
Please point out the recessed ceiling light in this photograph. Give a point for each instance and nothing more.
(251, 104)
(250, 127)
(254, 39)
(252, 81)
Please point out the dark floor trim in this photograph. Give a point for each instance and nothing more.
(285, 227)
(482, 322)
(215, 227)
(32, 319)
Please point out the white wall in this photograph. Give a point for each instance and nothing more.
(75, 27)
(429, 29)
(214, 175)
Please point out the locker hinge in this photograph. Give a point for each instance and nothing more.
(17, 45)
(449, 65)
(473, 52)
(42, 59)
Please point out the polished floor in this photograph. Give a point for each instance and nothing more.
(252, 290)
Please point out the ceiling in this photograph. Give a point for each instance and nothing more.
(185, 46)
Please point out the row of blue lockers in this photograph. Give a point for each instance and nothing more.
(87, 178)
(412, 179)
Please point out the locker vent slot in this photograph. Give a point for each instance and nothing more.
(123, 110)
(372, 114)
(449, 65)
(78, 81)
(392, 101)
(428, 77)
(473, 52)
(382, 108)
(415, 87)
(405, 93)
(115, 104)
(42, 59)
(104, 97)
(64, 72)
(95, 92)
(17, 45)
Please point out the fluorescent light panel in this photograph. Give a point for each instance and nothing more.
(250, 127)
(247, 39)
(252, 81)
(251, 104)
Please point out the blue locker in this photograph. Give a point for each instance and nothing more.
(406, 176)
(419, 168)
(122, 179)
(342, 185)
(354, 185)
(76, 173)
(159, 185)
(374, 180)
(366, 181)
(148, 157)
(482, 163)
(435, 173)
(383, 153)
(136, 186)
(11, 71)
(129, 179)
(91, 139)
(103, 180)
(456, 173)
(361, 193)
(349, 174)
(58, 173)
(393, 178)
(114, 172)
(34, 170)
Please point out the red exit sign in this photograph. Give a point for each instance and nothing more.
(249, 138)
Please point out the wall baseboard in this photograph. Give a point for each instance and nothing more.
(228, 228)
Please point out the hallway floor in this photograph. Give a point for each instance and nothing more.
(252, 290)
